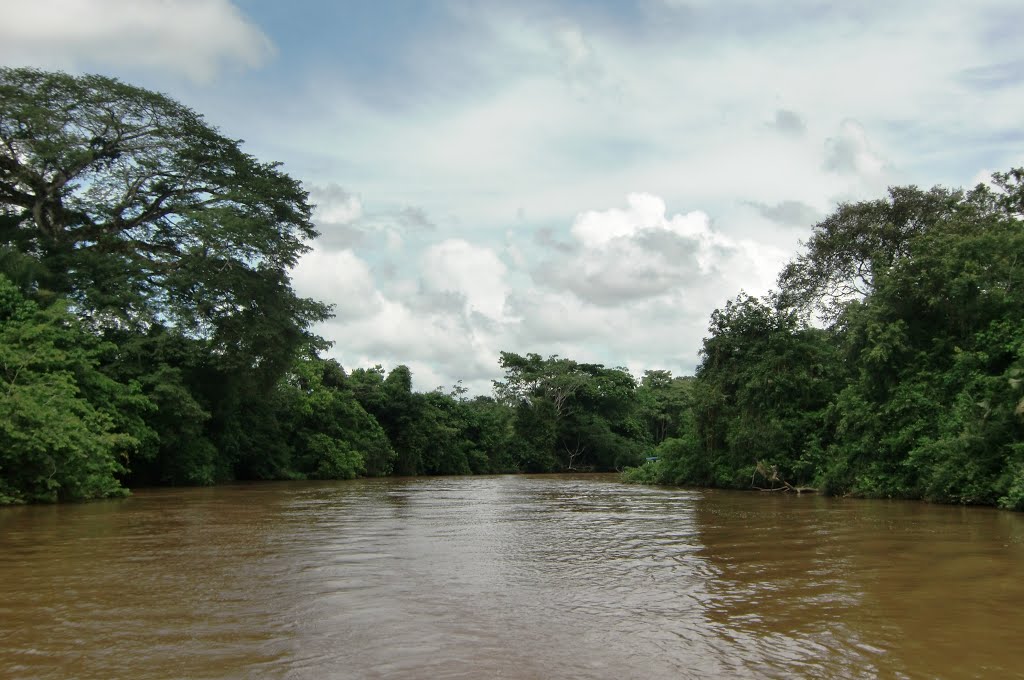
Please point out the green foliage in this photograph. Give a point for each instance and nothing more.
(149, 333)
(570, 416)
(333, 457)
(763, 384)
(141, 212)
(1013, 482)
(331, 435)
(662, 404)
(435, 433)
(171, 244)
(930, 410)
(915, 389)
(648, 473)
(682, 461)
(853, 245)
(491, 430)
(62, 436)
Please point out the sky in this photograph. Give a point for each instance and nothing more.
(583, 178)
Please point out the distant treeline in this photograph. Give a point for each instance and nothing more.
(149, 335)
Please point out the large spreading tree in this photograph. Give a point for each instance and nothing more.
(140, 212)
(163, 238)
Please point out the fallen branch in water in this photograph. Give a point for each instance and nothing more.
(771, 474)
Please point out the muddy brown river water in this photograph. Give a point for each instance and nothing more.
(507, 577)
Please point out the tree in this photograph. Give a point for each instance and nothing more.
(933, 409)
(170, 370)
(664, 403)
(166, 238)
(924, 293)
(849, 248)
(490, 429)
(65, 429)
(399, 411)
(763, 384)
(142, 213)
(330, 434)
(569, 415)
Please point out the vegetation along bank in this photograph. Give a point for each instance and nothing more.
(149, 334)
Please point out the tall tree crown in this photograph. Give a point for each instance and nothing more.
(142, 213)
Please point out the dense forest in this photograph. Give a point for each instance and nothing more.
(889, 362)
(150, 335)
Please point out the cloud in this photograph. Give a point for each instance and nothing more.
(994, 76)
(343, 222)
(575, 50)
(788, 213)
(334, 204)
(549, 320)
(485, 147)
(194, 38)
(623, 272)
(789, 123)
(475, 272)
(393, 240)
(658, 332)
(440, 339)
(414, 218)
(849, 152)
(335, 214)
(434, 327)
(545, 237)
(638, 285)
(983, 176)
(633, 253)
(340, 278)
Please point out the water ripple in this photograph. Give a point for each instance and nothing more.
(506, 577)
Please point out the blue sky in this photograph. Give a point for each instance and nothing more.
(582, 178)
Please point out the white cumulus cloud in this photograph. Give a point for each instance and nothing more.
(636, 253)
(851, 152)
(334, 204)
(340, 278)
(194, 38)
(474, 272)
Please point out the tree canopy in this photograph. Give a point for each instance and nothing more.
(141, 213)
(149, 334)
(914, 387)
(163, 241)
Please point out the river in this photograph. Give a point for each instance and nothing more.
(507, 577)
